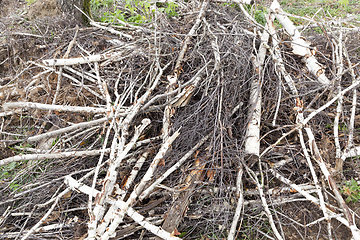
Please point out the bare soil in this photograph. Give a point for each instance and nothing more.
(40, 31)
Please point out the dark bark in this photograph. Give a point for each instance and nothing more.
(68, 7)
(52, 8)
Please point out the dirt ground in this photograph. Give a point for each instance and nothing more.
(20, 43)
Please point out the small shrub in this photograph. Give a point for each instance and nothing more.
(351, 190)
(131, 11)
(30, 1)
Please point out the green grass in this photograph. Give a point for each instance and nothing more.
(351, 190)
(30, 1)
(12, 173)
(329, 9)
(129, 11)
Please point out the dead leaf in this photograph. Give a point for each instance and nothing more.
(161, 162)
(67, 195)
(197, 162)
(210, 174)
(196, 154)
(175, 233)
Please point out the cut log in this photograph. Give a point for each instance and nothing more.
(180, 205)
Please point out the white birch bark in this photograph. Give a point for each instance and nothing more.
(339, 72)
(309, 197)
(237, 1)
(315, 178)
(110, 180)
(252, 145)
(109, 215)
(173, 78)
(349, 216)
(147, 191)
(110, 183)
(59, 108)
(110, 30)
(353, 152)
(326, 105)
(79, 60)
(75, 185)
(27, 157)
(239, 205)
(119, 215)
(67, 129)
(104, 90)
(300, 46)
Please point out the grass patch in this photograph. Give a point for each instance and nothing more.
(329, 9)
(129, 11)
(351, 190)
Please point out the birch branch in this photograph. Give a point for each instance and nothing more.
(79, 60)
(326, 105)
(4, 114)
(300, 46)
(248, 16)
(172, 78)
(58, 85)
(124, 127)
(122, 193)
(215, 46)
(158, 231)
(157, 97)
(73, 184)
(349, 150)
(263, 200)
(110, 180)
(104, 90)
(93, 230)
(110, 30)
(276, 54)
(182, 99)
(99, 163)
(252, 145)
(140, 102)
(66, 55)
(147, 191)
(85, 75)
(314, 176)
(67, 129)
(119, 215)
(354, 101)
(315, 151)
(59, 108)
(71, 44)
(239, 206)
(51, 156)
(353, 152)
(308, 196)
(166, 118)
(339, 66)
(134, 172)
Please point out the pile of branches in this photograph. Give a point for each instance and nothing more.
(205, 125)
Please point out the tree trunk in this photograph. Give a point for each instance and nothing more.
(51, 8)
(68, 7)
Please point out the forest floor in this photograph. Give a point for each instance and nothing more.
(154, 119)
